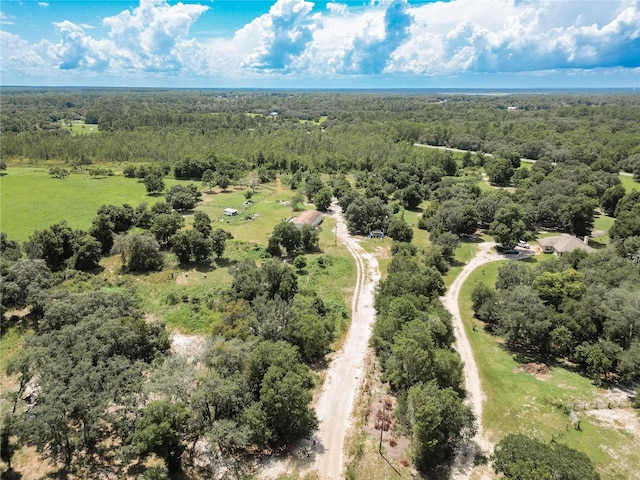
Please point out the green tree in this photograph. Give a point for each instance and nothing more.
(367, 214)
(399, 229)
(508, 226)
(182, 197)
(140, 252)
(87, 252)
(154, 182)
(499, 170)
(610, 199)
(285, 400)
(219, 239)
(288, 235)
(160, 430)
(437, 420)
(202, 222)
(519, 457)
(310, 238)
(166, 225)
(322, 199)
(209, 178)
(24, 282)
(300, 263)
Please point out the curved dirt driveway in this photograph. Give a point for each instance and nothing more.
(463, 465)
(346, 371)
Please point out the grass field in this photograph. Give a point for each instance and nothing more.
(628, 183)
(519, 402)
(31, 200)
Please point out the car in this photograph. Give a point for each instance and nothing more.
(523, 244)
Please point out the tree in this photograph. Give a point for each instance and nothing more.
(313, 184)
(288, 235)
(89, 375)
(87, 252)
(310, 238)
(154, 182)
(9, 249)
(300, 263)
(610, 199)
(102, 230)
(165, 225)
(24, 282)
(202, 223)
(160, 430)
(120, 216)
(223, 181)
(182, 197)
(140, 252)
(399, 229)
(519, 457)
(219, 239)
(499, 170)
(322, 199)
(209, 178)
(459, 217)
(508, 226)
(54, 246)
(367, 214)
(285, 399)
(438, 420)
(448, 242)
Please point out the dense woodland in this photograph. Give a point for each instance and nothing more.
(104, 392)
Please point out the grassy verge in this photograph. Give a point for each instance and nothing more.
(465, 252)
(519, 402)
(629, 183)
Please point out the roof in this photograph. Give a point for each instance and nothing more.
(230, 211)
(564, 243)
(308, 217)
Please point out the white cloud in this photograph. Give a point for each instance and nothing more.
(384, 37)
(43, 4)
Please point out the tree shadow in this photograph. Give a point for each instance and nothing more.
(224, 262)
(11, 474)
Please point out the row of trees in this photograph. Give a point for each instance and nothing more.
(412, 338)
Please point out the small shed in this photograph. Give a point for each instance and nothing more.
(562, 244)
(312, 218)
(230, 212)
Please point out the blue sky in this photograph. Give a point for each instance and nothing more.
(336, 44)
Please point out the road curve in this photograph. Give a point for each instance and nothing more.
(347, 369)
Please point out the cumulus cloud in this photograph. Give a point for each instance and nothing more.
(43, 4)
(283, 33)
(334, 40)
(150, 37)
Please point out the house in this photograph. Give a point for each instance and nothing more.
(562, 244)
(230, 212)
(308, 217)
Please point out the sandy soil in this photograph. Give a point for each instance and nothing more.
(346, 371)
(343, 379)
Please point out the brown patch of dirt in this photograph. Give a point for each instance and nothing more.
(182, 279)
(539, 370)
(383, 252)
(380, 418)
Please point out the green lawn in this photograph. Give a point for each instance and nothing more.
(518, 402)
(628, 183)
(465, 252)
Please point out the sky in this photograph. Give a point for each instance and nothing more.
(311, 44)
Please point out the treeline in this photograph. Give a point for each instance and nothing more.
(413, 338)
(328, 131)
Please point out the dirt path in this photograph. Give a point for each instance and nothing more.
(344, 376)
(346, 371)
(463, 465)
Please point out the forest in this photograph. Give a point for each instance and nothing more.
(97, 388)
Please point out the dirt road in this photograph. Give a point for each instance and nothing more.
(485, 254)
(346, 371)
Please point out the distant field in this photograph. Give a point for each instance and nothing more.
(519, 402)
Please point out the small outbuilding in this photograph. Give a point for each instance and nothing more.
(230, 212)
(312, 218)
(562, 244)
